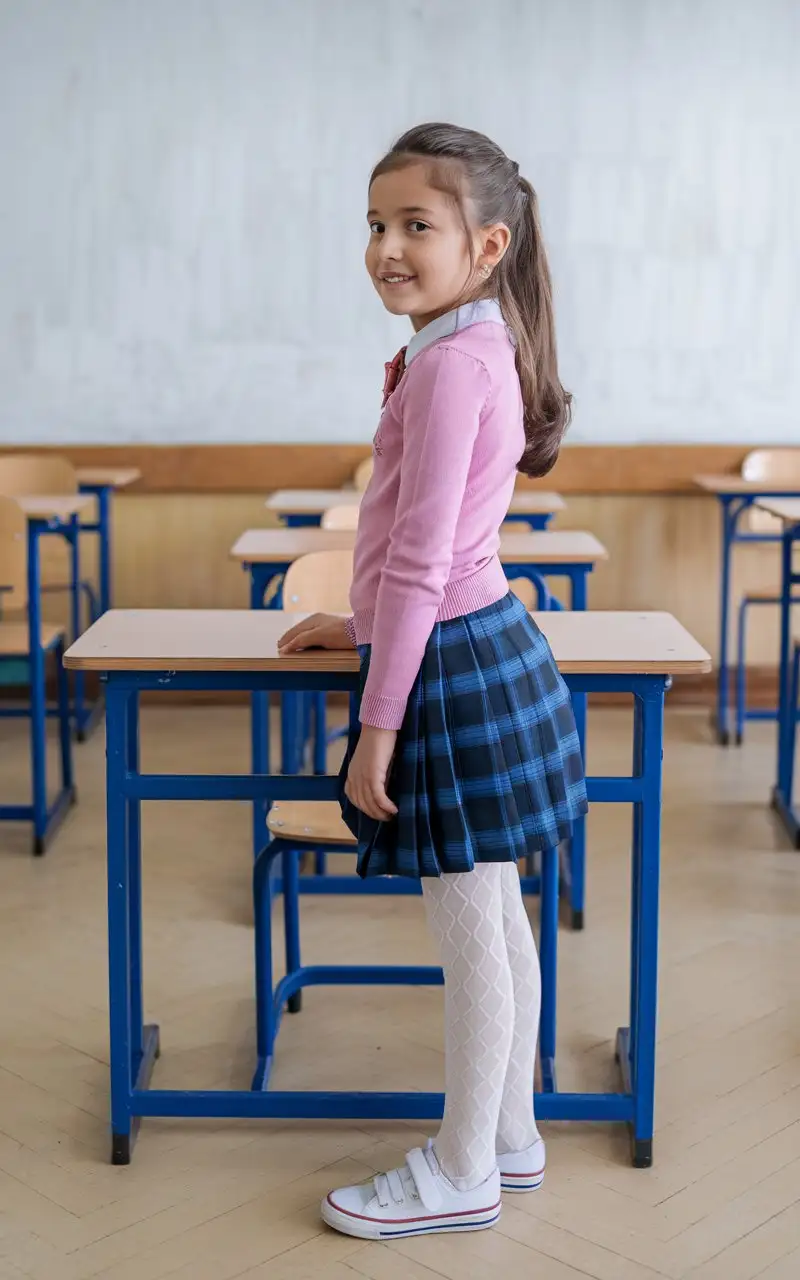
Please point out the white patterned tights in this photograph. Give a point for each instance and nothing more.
(492, 1003)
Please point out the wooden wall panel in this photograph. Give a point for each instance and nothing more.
(243, 468)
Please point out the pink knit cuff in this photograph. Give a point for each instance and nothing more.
(350, 628)
(382, 713)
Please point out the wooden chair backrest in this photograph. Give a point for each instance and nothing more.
(23, 473)
(770, 466)
(363, 474)
(13, 557)
(344, 517)
(319, 583)
(775, 466)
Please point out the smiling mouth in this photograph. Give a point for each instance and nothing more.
(395, 280)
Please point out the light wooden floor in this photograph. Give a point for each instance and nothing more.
(213, 1201)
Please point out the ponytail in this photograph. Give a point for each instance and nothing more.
(525, 294)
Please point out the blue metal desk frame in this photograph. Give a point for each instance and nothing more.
(787, 692)
(46, 820)
(312, 520)
(87, 717)
(262, 575)
(732, 507)
(134, 1046)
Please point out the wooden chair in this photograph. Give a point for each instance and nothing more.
(764, 466)
(363, 474)
(770, 466)
(30, 473)
(319, 583)
(316, 583)
(22, 473)
(23, 661)
(344, 517)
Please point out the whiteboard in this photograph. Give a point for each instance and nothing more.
(182, 219)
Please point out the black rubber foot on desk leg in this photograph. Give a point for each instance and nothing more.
(642, 1149)
(38, 846)
(577, 920)
(120, 1148)
(723, 737)
(738, 739)
(295, 1003)
(80, 735)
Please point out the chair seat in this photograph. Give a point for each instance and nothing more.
(14, 638)
(309, 822)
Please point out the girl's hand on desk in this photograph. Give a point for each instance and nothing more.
(320, 631)
(369, 769)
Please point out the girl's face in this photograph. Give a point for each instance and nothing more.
(418, 252)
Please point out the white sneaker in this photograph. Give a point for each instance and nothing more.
(415, 1200)
(522, 1170)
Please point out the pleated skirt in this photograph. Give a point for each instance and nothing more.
(488, 765)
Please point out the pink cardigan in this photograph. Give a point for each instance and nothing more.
(445, 460)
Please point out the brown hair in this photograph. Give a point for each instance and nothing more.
(467, 163)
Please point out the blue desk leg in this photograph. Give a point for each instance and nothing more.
(261, 575)
(731, 507)
(787, 713)
(135, 883)
(134, 1047)
(291, 917)
(82, 714)
(548, 961)
(104, 530)
(577, 848)
(638, 1046)
(37, 678)
(119, 952)
(259, 730)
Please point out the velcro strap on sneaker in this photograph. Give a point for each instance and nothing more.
(429, 1193)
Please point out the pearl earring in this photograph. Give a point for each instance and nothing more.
(486, 271)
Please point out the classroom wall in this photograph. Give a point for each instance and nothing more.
(183, 207)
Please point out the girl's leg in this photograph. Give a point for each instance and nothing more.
(516, 1129)
(453, 1184)
(465, 913)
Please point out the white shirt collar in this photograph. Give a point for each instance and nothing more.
(483, 311)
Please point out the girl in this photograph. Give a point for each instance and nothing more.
(466, 757)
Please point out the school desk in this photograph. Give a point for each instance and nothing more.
(98, 483)
(58, 515)
(267, 553)
(735, 495)
(787, 510)
(152, 650)
(301, 508)
(102, 483)
(46, 516)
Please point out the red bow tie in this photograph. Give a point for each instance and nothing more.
(394, 372)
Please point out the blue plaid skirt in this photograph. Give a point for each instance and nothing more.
(488, 765)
